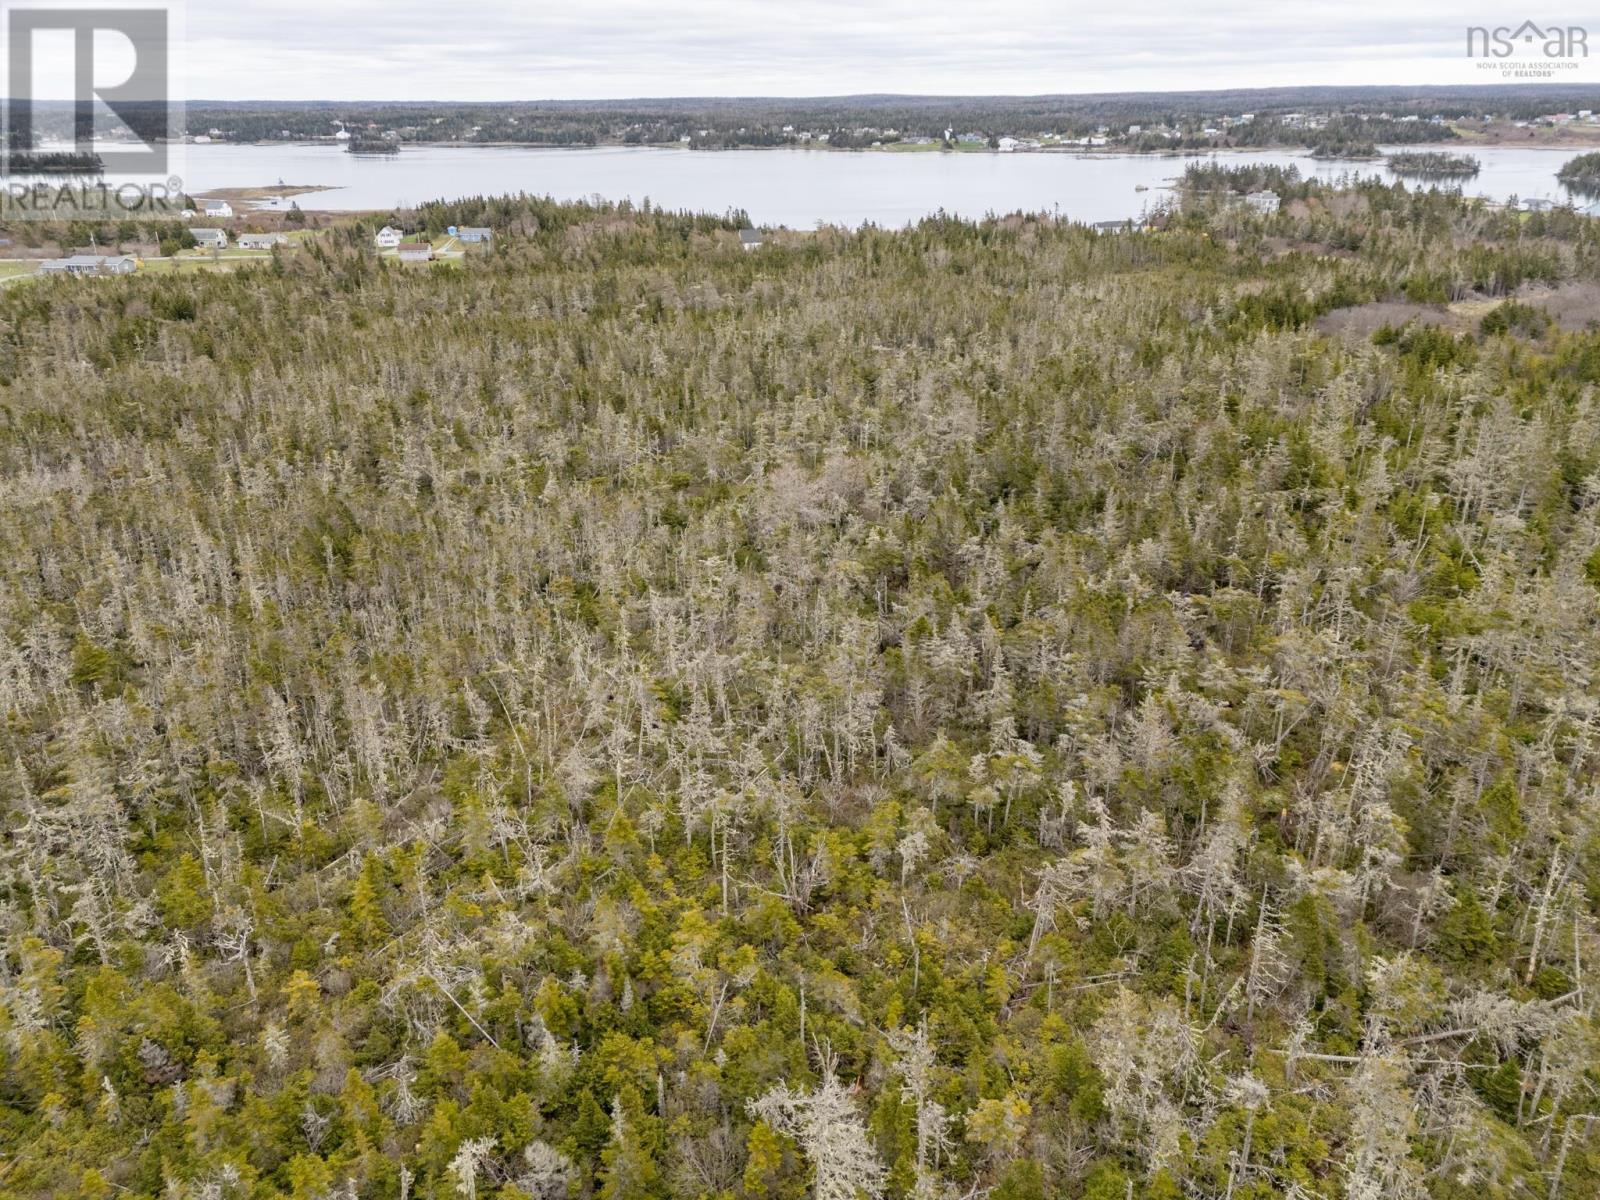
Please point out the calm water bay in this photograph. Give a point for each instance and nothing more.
(796, 188)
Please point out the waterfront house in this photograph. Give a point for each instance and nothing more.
(218, 209)
(1263, 202)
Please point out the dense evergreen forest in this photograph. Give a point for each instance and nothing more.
(979, 710)
(1582, 174)
(1424, 164)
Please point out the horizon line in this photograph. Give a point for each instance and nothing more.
(1523, 85)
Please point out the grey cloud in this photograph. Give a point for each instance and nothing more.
(298, 49)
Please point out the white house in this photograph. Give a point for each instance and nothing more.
(388, 238)
(211, 239)
(217, 209)
(1007, 144)
(749, 239)
(416, 251)
(1263, 202)
(261, 241)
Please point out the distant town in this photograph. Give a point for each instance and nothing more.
(1331, 122)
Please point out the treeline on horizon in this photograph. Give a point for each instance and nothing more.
(984, 709)
(758, 120)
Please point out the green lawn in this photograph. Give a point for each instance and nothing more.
(187, 264)
(937, 147)
(230, 252)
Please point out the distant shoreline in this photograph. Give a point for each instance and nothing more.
(1567, 140)
(1297, 150)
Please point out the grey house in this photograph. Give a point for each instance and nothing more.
(90, 264)
(211, 239)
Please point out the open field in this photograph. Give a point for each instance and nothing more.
(1562, 137)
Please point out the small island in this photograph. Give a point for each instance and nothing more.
(53, 162)
(1433, 164)
(372, 145)
(1582, 174)
(1345, 147)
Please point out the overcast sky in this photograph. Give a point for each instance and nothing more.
(499, 50)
